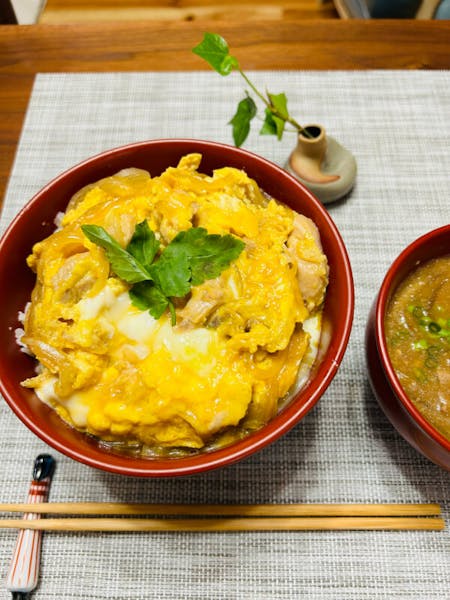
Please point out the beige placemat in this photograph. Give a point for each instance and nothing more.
(397, 125)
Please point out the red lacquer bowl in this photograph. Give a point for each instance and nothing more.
(35, 222)
(392, 398)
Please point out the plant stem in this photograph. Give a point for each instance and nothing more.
(263, 98)
(273, 110)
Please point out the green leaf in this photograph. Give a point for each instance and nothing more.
(280, 124)
(269, 127)
(214, 49)
(192, 257)
(279, 102)
(172, 274)
(240, 122)
(272, 125)
(143, 245)
(206, 254)
(217, 254)
(123, 264)
(146, 296)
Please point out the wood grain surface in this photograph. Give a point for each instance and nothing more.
(84, 11)
(166, 46)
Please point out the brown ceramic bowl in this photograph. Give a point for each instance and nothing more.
(35, 222)
(392, 398)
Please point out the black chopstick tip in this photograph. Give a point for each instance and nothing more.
(44, 467)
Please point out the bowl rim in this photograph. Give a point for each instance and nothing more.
(278, 426)
(386, 291)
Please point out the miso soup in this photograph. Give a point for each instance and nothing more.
(417, 326)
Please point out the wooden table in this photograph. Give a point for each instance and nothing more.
(164, 45)
(84, 11)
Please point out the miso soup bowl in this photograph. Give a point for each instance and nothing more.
(35, 222)
(395, 403)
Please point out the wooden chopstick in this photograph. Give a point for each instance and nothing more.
(218, 517)
(241, 510)
(228, 524)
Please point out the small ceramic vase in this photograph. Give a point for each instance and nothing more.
(322, 164)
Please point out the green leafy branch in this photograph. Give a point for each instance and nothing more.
(192, 257)
(214, 50)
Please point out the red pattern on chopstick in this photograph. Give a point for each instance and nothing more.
(24, 568)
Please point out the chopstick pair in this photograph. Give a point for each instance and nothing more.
(262, 517)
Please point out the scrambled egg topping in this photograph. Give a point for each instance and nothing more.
(113, 371)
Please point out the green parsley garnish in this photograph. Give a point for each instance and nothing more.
(192, 257)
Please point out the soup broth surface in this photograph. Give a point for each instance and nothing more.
(417, 329)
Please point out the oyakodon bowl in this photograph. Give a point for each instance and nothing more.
(36, 221)
(386, 386)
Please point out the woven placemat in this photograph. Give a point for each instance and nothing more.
(397, 126)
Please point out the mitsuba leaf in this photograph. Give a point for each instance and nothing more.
(218, 252)
(172, 274)
(147, 296)
(240, 122)
(192, 257)
(143, 245)
(207, 255)
(123, 264)
(214, 49)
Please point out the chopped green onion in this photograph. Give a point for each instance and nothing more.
(430, 363)
(433, 351)
(424, 321)
(418, 312)
(420, 345)
(434, 327)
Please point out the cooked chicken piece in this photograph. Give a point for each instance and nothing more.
(312, 266)
(204, 299)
